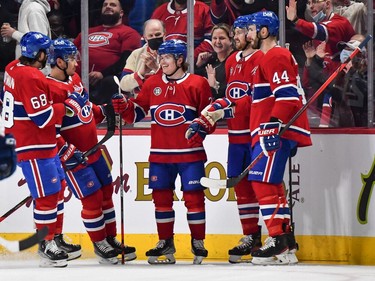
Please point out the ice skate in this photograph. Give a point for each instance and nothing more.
(162, 253)
(51, 255)
(274, 252)
(197, 248)
(73, 250)
(247, 245)
(105, 253)
(129, 252)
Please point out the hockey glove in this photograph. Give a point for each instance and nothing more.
(8, 157)
(120, 103)
(269, 137)
(196, 132)
(71, 157)
(74, 104)
(219, 109)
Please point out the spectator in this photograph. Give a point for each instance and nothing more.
(8, 14)
(143, 62)
(32, 16)
(55, 19)
(212, 65)
(184, 95)
(326, 26)
(354, 11)
(110, 44)
(140, 12)
(226, 11)
(174, 16)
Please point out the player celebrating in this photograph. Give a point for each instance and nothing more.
(240, 68)
(276, 99)
(90, 183)
(28, 113)
(174, 99)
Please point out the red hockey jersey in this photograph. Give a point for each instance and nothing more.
(240, 73)
(79, 130)
(28, 112)
(106, 45)
(277, 93)
(173, 105)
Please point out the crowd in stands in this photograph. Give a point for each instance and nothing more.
(314, 31)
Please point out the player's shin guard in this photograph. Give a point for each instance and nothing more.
(248, 207)
(164, 251)
(60, 209)
(45, 214)
(92, 216)
(196, 217)
(109, 210)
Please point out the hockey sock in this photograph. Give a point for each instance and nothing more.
(248, 207)
(109, 210)
(196, 214)
(284, 204)
(270, 206)
(45, 214)
(164, 213)
(60, 208)
(92, 216)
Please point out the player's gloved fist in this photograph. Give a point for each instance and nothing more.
(120, 103)
(8, 157)
(74, 103)
(196, 132)
(269, 137)
(71, 157)
(219, 109)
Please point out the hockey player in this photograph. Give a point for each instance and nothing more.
(240, 68)
(28, 113)
(90, 183)
(174, 99)
(8, 157)
(277, 97)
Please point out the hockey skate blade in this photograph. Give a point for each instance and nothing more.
(108, 260)
(240, 259)
(281, 259)
(292, 258)
(45, 263)
(167, 259)
(74, 255)
(129, 257)
(198, 259)
(213, 183)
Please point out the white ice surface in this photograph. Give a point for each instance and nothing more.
(17, 268)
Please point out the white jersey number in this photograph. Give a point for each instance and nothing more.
(8, 108)
(284, 76)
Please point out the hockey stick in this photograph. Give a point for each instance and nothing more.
(119, 95)
(111, 124)
(222, 184)
(17, 246)
(15, 208)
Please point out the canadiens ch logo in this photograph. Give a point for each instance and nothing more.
(169, 115)
(237, 89)
(98, 39)
(85, 116)
(157, 91)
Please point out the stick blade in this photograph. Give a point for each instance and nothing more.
(213, 183)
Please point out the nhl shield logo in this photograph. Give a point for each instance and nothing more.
(157, 91)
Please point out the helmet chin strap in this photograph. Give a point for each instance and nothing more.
(260, 39)
(177, 68)
(64, 70)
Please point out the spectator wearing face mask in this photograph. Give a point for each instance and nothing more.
(344, 102)
(325, 26)
(143, 62)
